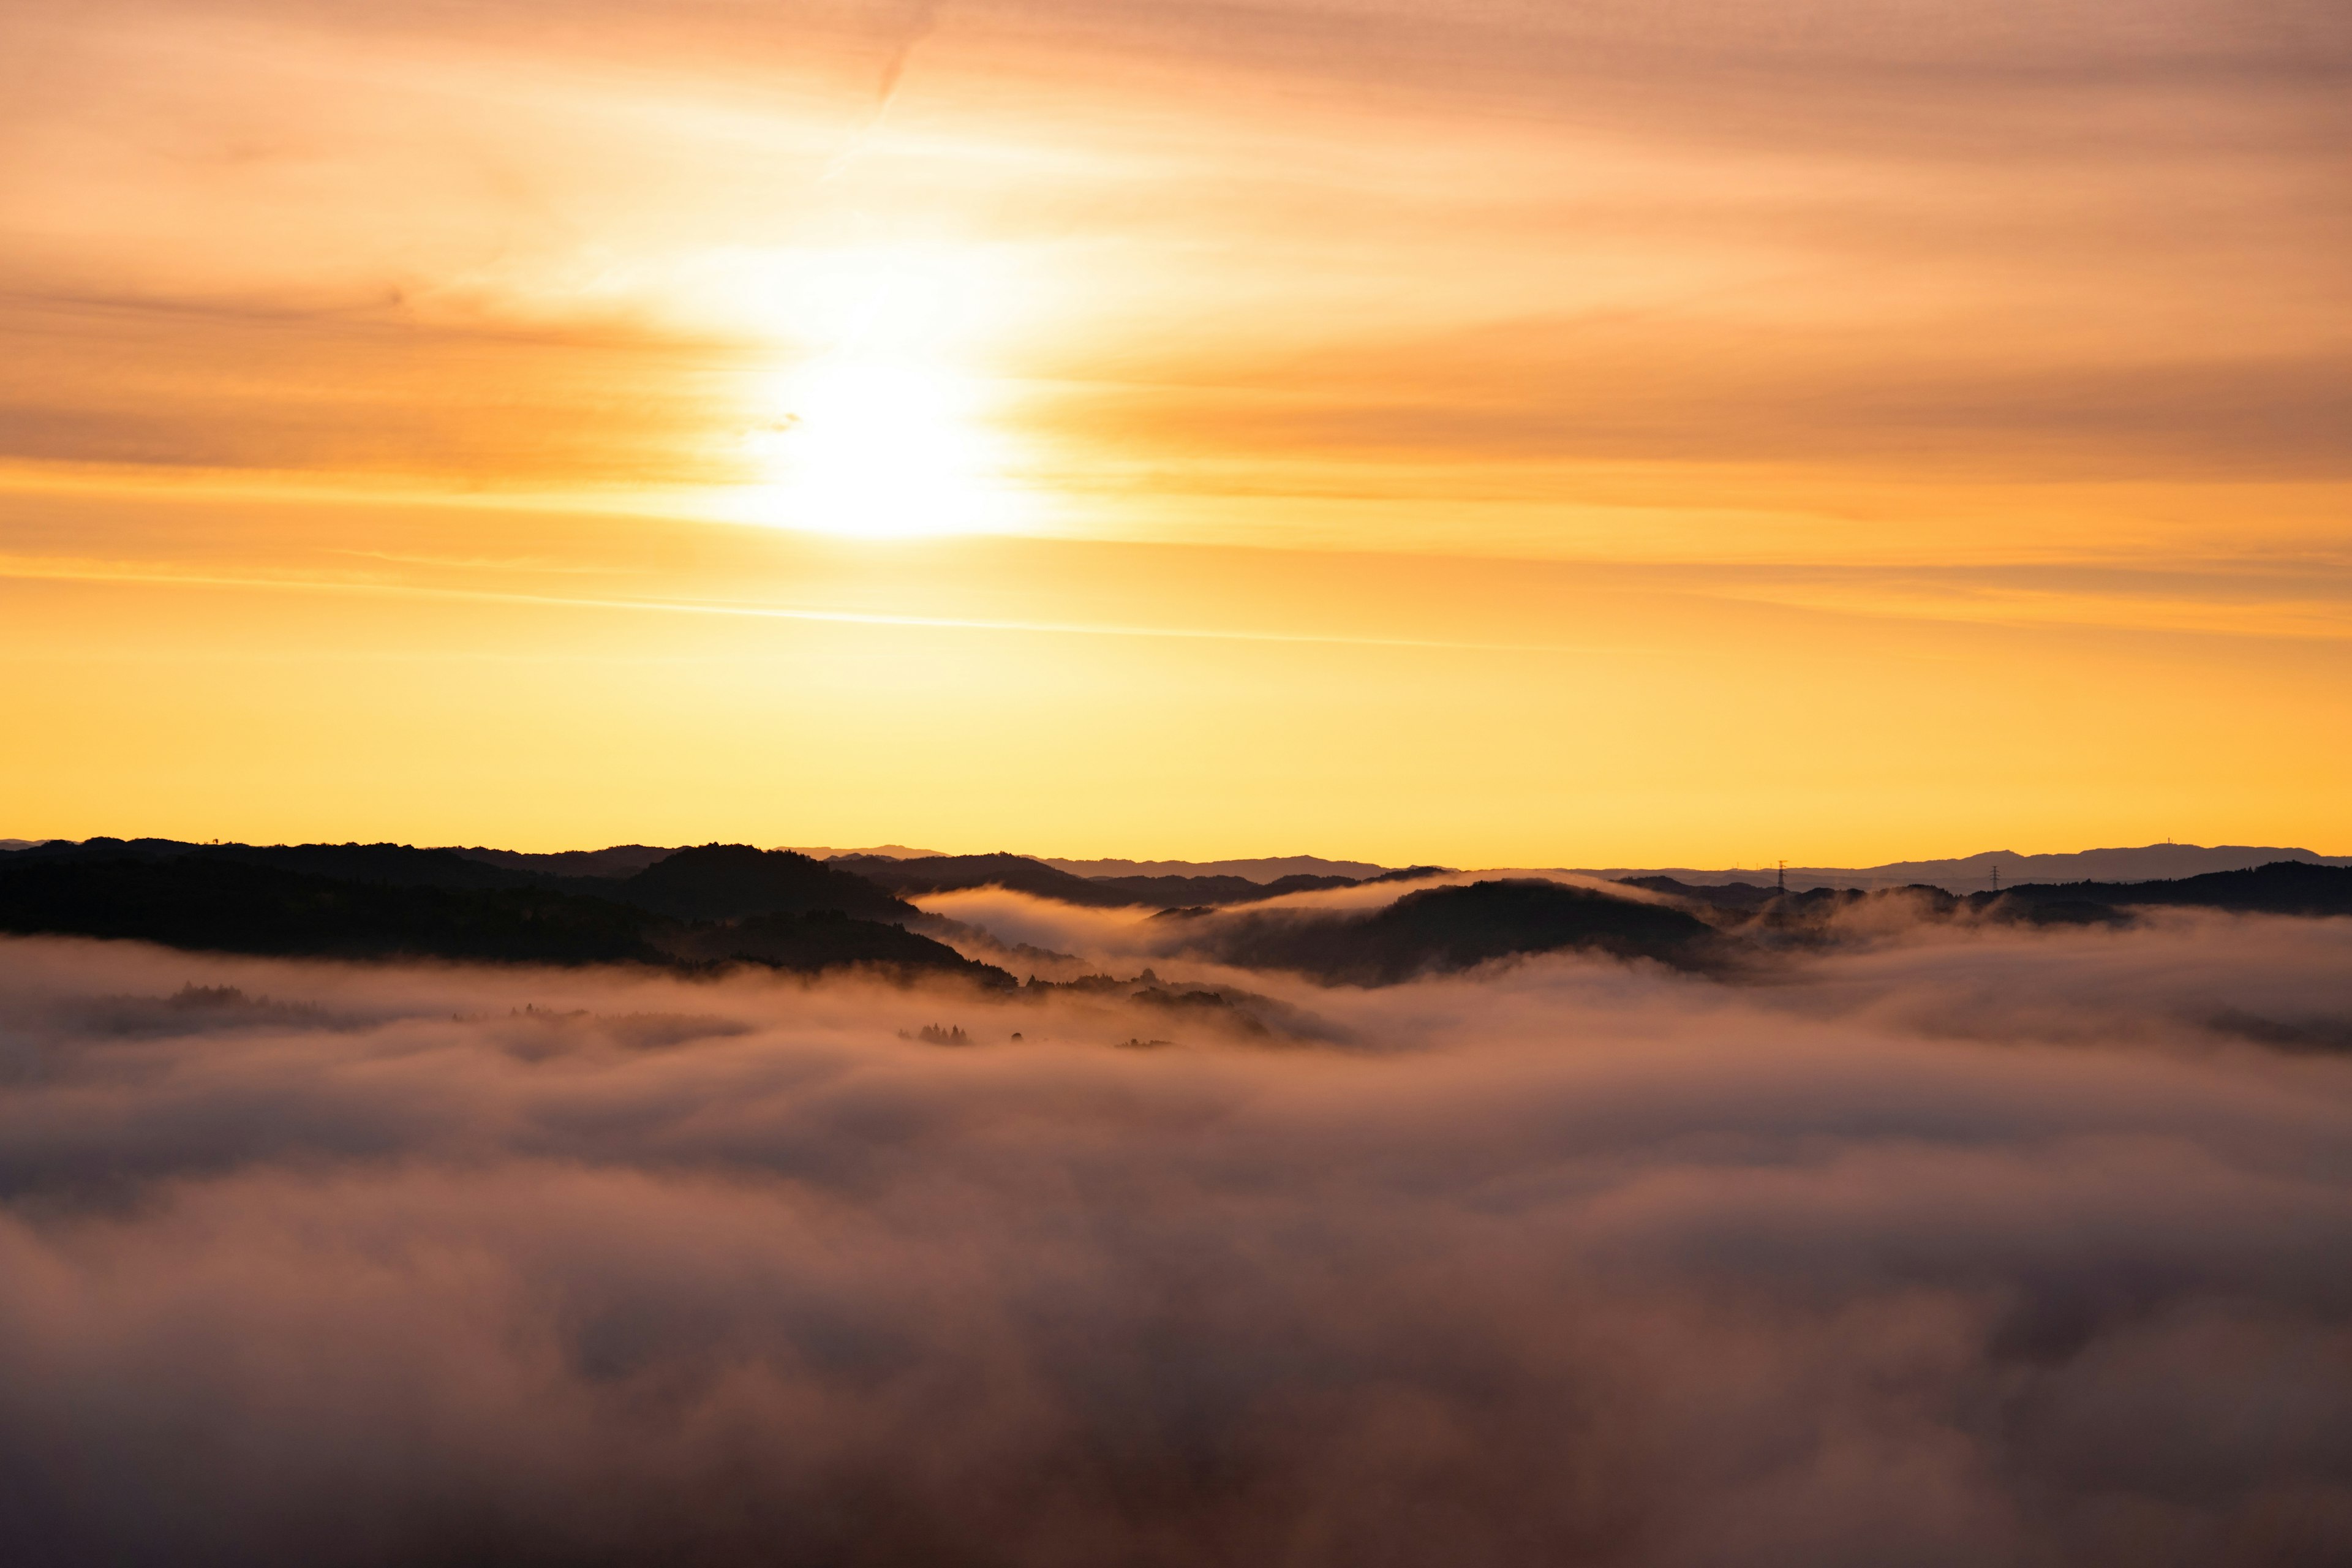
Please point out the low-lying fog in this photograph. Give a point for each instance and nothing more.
(1963, 1247)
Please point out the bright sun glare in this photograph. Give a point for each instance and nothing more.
(878, 449)
(879, 431)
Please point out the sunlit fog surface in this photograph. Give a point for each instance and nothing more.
(1963, 1247)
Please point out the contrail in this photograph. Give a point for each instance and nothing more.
(923, 20)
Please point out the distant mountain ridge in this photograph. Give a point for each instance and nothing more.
(619, 860)
(1265, 868)
(1444, 929)
(1975, 873)
(886, 851)
(729, 881)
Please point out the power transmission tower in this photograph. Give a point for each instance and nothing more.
(1782, 881)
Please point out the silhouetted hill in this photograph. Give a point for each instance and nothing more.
(2282, 888)
(842, 852)
(951, 873)
(714, 881)
(1814, 915)
(619, 860)
(67, 849)
(1745, 906)
(1444, 929)
(227, 903)
(386, 865)
(721, 881)
(230, 905)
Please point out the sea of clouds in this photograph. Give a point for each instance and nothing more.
(1959, 1247)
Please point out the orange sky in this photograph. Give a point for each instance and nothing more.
(1482, 432)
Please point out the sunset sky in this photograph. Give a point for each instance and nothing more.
(1682, 432)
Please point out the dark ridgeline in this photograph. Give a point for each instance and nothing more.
(726, 882)
(381, 865)
(1710, 929)
(1021, 874)
(228, 904)
(1445, 930)
(1774, 917)
(1170, 891)
(715, 881)
(1163, 891)
(620, 861)
(724, 904)
(2293, 887)
(2281, 888)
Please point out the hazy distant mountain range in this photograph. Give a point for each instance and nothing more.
(1961, 874)
(892, 851)
(1971, 873)
(1264, 869)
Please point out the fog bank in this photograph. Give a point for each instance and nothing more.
(1982, 1247)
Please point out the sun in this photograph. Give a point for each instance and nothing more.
(879, 448)
(879, 427)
